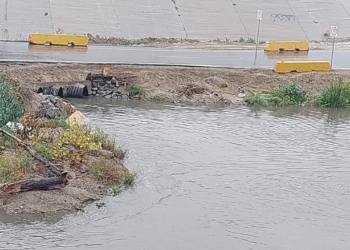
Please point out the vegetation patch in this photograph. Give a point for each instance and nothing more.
(14, 167)
(11, 108)
(105, 170)
(337, 95)
(283, 95)
(287, 95)
(257, 99)
(108, 144)
(135, 89)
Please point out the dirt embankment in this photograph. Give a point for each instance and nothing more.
(180, 84)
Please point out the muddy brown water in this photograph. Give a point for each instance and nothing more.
(212, 178)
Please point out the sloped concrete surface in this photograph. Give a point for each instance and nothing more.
(195, 19)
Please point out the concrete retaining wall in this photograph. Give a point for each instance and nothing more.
(194, 19)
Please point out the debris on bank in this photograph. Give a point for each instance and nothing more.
(101, 84)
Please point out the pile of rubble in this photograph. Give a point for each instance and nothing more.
(105, 85)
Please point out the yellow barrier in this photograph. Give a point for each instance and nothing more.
(58, 39)
(287, 46)
(301, 66)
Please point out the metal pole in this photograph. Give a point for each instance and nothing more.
(257, 42)
(332, 52)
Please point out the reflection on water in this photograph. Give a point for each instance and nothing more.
(329, 115)
(57, 49)
(30, 218)
(213, 178)
(287, 55)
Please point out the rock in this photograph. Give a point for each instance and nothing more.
(241, 95)
(53, 99)
(106, 153)
(52, 112)
(77, 117)
(47, 104)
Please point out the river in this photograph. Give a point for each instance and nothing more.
(212, 178)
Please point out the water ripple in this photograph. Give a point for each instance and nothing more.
(214, 177)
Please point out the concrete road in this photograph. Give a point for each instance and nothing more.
(22, 52)
(205, 20)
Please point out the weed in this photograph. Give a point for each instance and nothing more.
(46, 150)
(11, 108)
(114, 191)
(120, 153)
(108, 144)
(81, 137)
(100, 204)
(14, 167)
(6, 141)
(149, 40)
(250, 40)
(257, 99)
(335, 96)
(287, 94)
(135, 89)
(129, 178)
(61, 119)
(103, 138)
(105, 170)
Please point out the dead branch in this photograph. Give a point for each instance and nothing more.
(52, 167)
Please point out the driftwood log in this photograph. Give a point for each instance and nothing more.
(42, 183)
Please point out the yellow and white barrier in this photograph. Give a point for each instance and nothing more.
(58, 39)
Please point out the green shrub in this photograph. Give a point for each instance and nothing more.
(103, 138)
(105, 170)
(287, 95)
(257, 99)
(135, 89)
(46, 150)
(11, 107)
(335, 96)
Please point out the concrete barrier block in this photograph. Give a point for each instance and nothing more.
(301, 66)
(58, 39)
(287, 46)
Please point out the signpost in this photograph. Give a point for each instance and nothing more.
(259, 17)
(334, 34)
